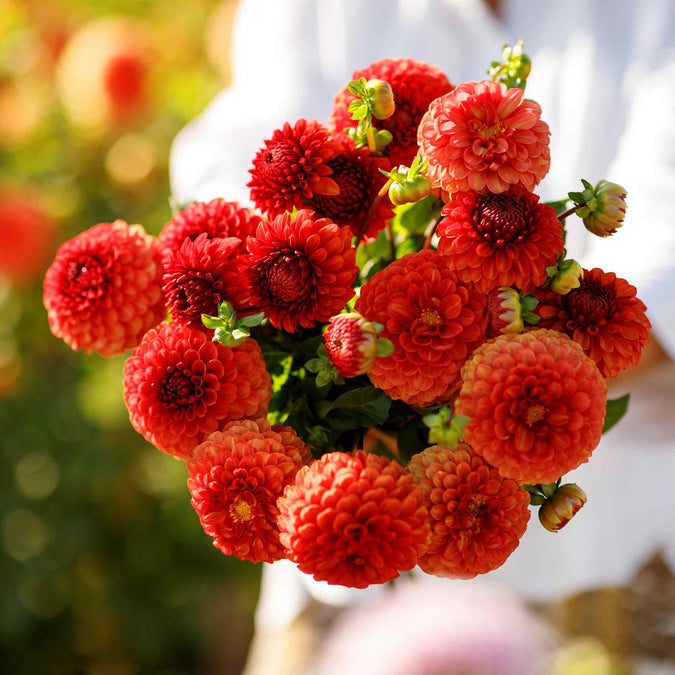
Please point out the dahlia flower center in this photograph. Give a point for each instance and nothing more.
(181, 389)
(197, 292)
(534, 414)
(501, 219)
(430, 317)
(488, 132)
(589, 305)
(470, 513)
(87, 275)
(240, 511)
(353, 196)
(275, 159)
(288, 277)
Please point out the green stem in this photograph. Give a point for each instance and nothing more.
(378, 198)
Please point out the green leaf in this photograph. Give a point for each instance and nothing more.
(365, 406)
(323, 378)
(314, 365)
(615, 410)
(211, 322)
(558, 205)
(384, 347)
(414, 218)
(280, 379)
(253, 320)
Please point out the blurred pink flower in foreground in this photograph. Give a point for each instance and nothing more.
(431, 629)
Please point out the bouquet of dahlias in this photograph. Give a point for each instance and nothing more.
(462, 369)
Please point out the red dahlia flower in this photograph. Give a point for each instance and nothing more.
(415, 85)
(300, 271)
(434, 320)
(603, 315)
(357, 175)
(536, 405)
(477, 517)
(104, 289)
(199, 276)
(353, 520)
(484, 137)
(215, 219)
(292, 167)
(236, 477)
(503, 239)
(180, 387)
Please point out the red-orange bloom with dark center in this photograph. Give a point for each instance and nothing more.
(497, 240)
(236, 477)
(477, 517)
(216, 219)
(104, 289)
(485, 138)
(199, 276)
(300, 271)
(293, 166)
(357, 174)
(434, 320)
(353, 520)
(415, 85)
(180, 387)
(536, 405)
(604, 316)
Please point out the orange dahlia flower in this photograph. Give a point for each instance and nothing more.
(180, 387)
(484, 137)
(536, 405)
(477, 517)
(353, 520)
(434, 320)
(603, 315)
(505, 239)
(216, 219)
(236, 477)
(104, 289)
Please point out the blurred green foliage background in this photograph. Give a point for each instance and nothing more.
(104, 567)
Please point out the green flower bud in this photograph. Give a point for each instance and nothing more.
(560, 508)
(381, 99)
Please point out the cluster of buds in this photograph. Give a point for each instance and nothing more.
(445, 429)
(565, 276)
(374, 98)
(558, 503)
(229, 329)
(509, 311)
(602, 207)
(408, 184)
(514, 68)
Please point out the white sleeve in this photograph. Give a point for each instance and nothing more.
(643, 250)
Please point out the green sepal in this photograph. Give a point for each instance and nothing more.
(384, 347)
(211, 322)
(358, 87)
(225, 311)
(240, 334)
(576, 197)
(549, 489)
(528, 302)
(615, 409)
(530, 318)
(537, 500)
(377, 326)
(323, 378)
(252, 320)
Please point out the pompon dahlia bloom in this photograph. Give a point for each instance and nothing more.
(356, 173)
(293, 166)
(351, 343)
(215, 219)
(104, 289)
(301, 270)
(505, 239)
(434, 320)
(199, 276)
(536, 405)
(353, 520)
(603, 315)
(477, 517)
(484, 137)
(180, 387)
(236, 477)
(415, 85)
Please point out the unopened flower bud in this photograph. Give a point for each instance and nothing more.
(351, 343)
(381, 99)
(566, 277)
(410, 191)
(559, 509)
(505, 313)
(604, 207)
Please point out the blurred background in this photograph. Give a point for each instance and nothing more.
(103, 565)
